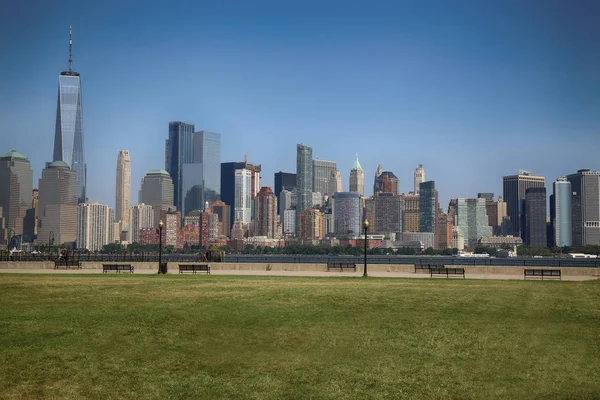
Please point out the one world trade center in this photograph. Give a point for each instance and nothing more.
(68, 136)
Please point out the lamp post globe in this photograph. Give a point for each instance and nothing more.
(366, 227)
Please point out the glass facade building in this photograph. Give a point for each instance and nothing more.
(179, 150)
(207, 152)
(472, 220)
(197, 166)
(192, 193)
(347, 214)
(304, 179)
(427, 206)
(283, 181)
(68, 133)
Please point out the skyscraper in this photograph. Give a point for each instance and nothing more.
(491, 209)
(472, 220)
(357, 178)
(311, 224)
(304, 179)
(58, 204)
(428, 205)
(156, 190)
(284, 180)
(347, 214)
(16, 184)
(335, 183)
(223, 213)
(200, 179)
(419, 178)
(391, 182)
(94, 226)
(228, 186)
(243, 198)
(585, 206)
(514, 187)
(412, 213)
(123, 190)
(561, 212)
(535, 217)
(387, 214)
(266, 213)
(68, 133)
(179, 150)
(322, 171)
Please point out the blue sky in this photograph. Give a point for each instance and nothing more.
(473, 90)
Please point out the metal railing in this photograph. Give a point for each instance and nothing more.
(308, 259)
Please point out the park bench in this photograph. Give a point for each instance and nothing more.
(193, 268)
(117, 268)
(422, 267)
(341, 266)
(541, 274)
(67, 264)
(447, 272)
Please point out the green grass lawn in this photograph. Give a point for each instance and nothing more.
(203, 337)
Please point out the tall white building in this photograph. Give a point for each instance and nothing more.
(243, 197)
(123, 190)
(419, 178)
(289, 222)
(141, 217)
(287, 200)
(94, 226)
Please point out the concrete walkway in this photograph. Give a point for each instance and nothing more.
(378, 274)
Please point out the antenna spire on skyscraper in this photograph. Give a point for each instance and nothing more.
(70, 48)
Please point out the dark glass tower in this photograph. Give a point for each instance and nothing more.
(179, 150)
(535, 217)
(428, 206)
(304, 179)
(68, 134)
(228, 186)
(284, 180)
(200, 180)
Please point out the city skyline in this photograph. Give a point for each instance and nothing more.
(452, 134)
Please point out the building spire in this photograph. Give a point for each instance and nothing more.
(70, 48)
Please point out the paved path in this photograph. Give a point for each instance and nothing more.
(148, 271)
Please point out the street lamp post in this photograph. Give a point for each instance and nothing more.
(366, 226)
(161, 270)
